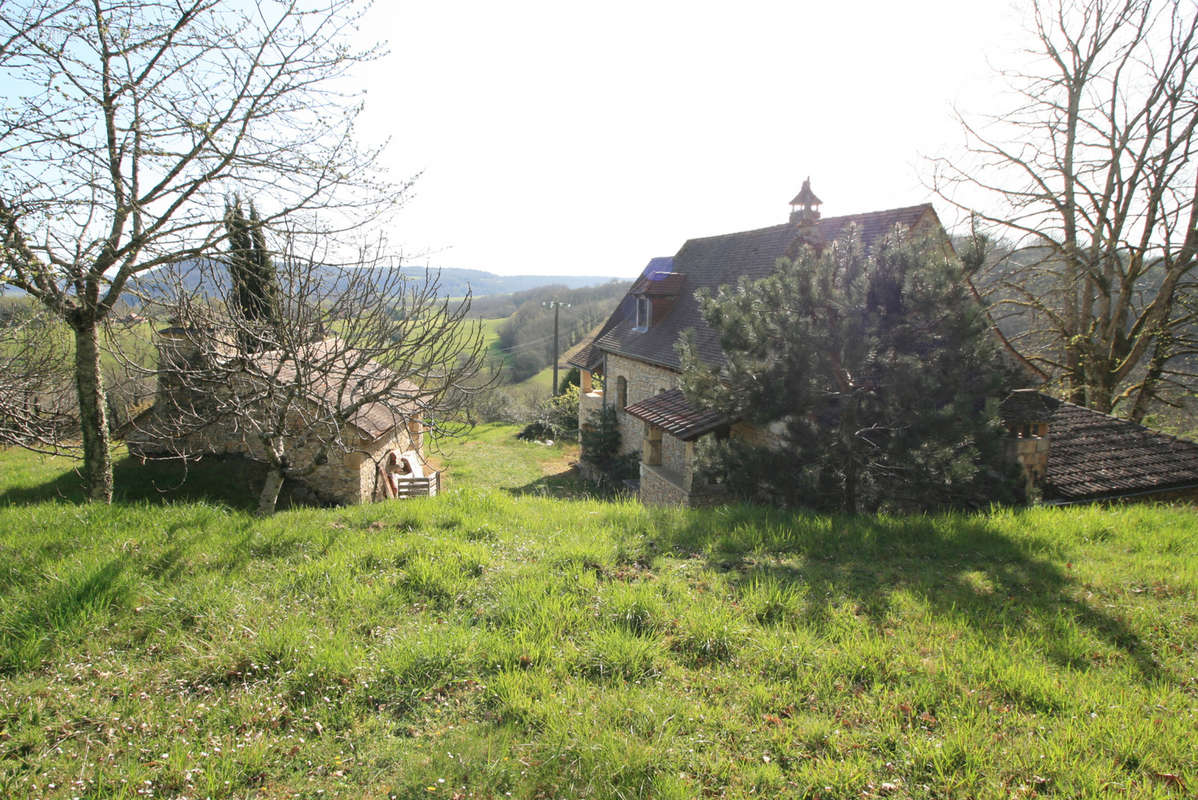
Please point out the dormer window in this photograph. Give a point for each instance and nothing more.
(655, 295)
(644, 309)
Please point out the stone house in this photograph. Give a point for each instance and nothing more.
(379, 447)
(635, 355)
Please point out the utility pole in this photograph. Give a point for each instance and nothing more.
(556, 305)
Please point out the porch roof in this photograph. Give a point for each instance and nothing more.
(672, 413)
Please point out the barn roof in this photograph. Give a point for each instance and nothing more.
(337, 377)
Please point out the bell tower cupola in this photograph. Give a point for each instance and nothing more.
(804, 209)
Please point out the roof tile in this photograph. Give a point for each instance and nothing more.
(337, 377)
(720, 260)
(672, 413)
(1092, 455)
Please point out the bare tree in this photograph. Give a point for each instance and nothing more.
(351, 347)
(124, 124)
(1090, 180)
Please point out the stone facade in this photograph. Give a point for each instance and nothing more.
(1031, 453)
(1187, 496)
(347, 477)
(666, 468)
(589, 403)
(642, 381)
(660, 488)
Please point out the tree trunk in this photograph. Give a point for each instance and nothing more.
(93, 416)
(1156, 368)
(848, 427)
(270, 492)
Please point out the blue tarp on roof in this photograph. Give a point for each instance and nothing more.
(659, 264)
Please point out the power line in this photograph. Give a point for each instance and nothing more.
(524, 344)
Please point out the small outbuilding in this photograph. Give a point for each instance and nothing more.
(1072, 454)
(379, 446)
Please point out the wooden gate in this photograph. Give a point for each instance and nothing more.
(428, 486)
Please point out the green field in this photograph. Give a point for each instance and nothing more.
(493, 643)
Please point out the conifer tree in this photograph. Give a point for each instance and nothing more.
(255, 284)
(877, 371)
(600, 440)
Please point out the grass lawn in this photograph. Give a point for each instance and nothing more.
(486, 644)
(491, 457)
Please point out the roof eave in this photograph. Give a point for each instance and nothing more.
(703, 430)
(643, 359)
(1101, 497)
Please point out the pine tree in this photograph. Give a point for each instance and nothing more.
(255, 284)
(600, 440)
(877, 371)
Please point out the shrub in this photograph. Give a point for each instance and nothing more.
(556, 418)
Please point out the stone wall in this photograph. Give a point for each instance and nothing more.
(1031, 453)
(589, 404)
(678, 457)
(1172, 497)
(372, 455)
(660, 488)
(644, 381)
(348, 476)
(1179, 496)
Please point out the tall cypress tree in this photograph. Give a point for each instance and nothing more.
(255, 284)
(877, 373)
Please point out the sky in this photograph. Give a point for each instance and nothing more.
(585, 138)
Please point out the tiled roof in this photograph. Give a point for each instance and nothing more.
(337, 378)
(1092, 456)
(720, 260)
(586, 357)
(589, 356)
(659, 283)
(568, 358)
(670, 412)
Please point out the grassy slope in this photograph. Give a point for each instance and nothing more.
(492, 458)
(491, 336)
(540, 383)
(479, 644)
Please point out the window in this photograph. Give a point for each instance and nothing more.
(643, 310)
(621, 392)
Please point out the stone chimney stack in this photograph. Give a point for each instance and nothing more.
(1026, 414)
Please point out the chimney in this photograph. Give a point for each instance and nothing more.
(804, 209)
(1026, 414)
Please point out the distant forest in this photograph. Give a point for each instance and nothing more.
(526, 336)
(451, 282)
